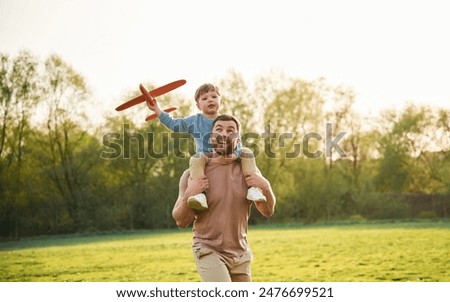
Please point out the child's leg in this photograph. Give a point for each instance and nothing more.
(248, 161)
(196, 170)
(249, 167)
(197, 166)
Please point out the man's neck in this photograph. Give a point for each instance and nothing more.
(217, 158)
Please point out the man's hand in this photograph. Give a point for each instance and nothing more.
(265, 208)
(196, 186)
(256, 180)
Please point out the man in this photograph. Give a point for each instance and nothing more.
(220, 247)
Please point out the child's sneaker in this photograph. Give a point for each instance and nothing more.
(255, 194)
(198, 202)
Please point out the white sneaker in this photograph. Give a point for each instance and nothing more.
(255, 194)
(198, 202)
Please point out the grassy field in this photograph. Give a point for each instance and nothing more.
(366, 252)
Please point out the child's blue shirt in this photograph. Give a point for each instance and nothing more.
(198, 125)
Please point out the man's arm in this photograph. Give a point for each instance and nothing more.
(265, 208)
(181, 212)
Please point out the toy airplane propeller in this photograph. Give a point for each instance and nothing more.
(149, 96)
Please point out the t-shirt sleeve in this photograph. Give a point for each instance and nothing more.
(174, 124)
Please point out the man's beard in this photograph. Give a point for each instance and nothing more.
(217, 142)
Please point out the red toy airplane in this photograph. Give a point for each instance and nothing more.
(149, 96)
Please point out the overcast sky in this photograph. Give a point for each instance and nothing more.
(388, 52)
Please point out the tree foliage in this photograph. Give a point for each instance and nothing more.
(60, 173)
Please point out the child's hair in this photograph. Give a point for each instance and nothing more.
(204, 89)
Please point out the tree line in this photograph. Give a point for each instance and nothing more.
(62, 172)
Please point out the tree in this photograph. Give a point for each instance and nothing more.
(237, 100)
(65, 95)
(412, 144)
(18, 84)
(342, 118)
(293, 114)
(145, 162)
(434, 155)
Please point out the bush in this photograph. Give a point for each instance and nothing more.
(427, 215)
(357, 218)
(382, 206)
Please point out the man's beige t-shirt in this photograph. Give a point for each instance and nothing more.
(223, 226)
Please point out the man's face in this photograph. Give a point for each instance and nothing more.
(224, 137)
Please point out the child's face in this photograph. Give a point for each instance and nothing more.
(209, 103)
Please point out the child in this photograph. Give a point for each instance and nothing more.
(207, 98)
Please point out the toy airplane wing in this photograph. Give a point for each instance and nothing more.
(154, 93)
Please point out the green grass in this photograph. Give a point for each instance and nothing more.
(367, 252)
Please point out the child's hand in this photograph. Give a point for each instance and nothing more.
(154, 107)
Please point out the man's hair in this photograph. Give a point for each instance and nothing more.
(204, 89)
(226, 117)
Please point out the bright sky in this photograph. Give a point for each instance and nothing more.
(388, 52)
